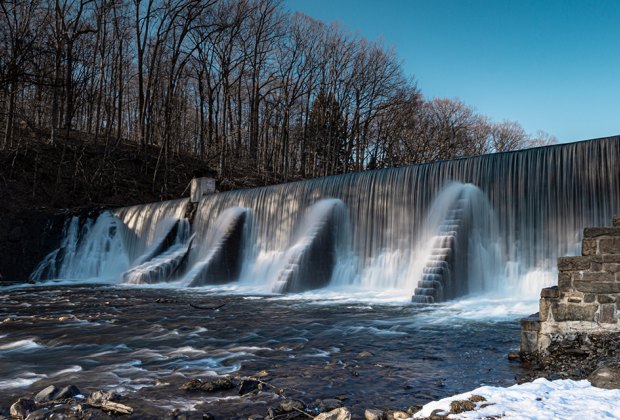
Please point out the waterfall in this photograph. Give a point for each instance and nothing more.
(115, 242)
(149, 222)
(92, 249)
(536, 201)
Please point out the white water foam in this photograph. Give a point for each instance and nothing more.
(21, 345)
(25, 379)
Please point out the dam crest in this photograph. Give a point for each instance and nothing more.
(434, 231)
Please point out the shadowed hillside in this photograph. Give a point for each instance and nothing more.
(41, 183)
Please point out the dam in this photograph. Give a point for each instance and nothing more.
(429, 232)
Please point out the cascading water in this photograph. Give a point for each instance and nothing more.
(149, 223)
(218, 256)
(118, 241)
(95, 249)
(319, 243)
(459, 243)
(165, 257)
(541, 199)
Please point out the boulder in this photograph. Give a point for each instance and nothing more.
(22, 407)
(374, 415)
(397, 415)
(607, 377)
(57, 412)
(247, 386)
(69, 391)
(46, 394)
(97, 398)
(209, 384)
(341, 413)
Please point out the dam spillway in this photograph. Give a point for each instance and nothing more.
(536, 202)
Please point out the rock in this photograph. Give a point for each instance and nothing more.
(607, 377)
(458, 407)
(106, 400)
(255, 417)
(69, 391)
(39, 414)
(217, 384)
(365, 354)
(415, 408)
(116, 408)
(292, 405)
(57, 412)
(328, 404)
(438, 415)
(513, 356)
(249, 385)
(193, 385)
(374, 415)
(46, 394)
(209, 384)
(397, 415)
(341, 413)
(22, 407)
(99, 397)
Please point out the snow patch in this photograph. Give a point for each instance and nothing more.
(540, 399)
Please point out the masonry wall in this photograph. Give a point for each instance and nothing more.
(587, 297)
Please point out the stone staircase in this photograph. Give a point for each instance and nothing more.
(587, 297)
(448, 256)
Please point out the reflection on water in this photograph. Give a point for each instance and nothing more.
(146, 342)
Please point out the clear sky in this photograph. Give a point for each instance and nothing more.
(552, 65)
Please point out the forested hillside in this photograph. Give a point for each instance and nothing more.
(231, 83)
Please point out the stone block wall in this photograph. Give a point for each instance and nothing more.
(587, 297)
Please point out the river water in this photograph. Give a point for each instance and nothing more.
(145, 342)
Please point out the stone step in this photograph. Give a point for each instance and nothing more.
(434, 270)
(426, 291)
(430, 284)
(432, 277)
(422, 299)
(441, 264)
(616, 220)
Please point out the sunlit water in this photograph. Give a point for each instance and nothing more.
(145, 342)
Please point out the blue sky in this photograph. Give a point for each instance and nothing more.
(552, 65)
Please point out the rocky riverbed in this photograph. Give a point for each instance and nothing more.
(188, 354)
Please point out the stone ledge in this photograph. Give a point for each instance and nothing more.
(599, 232)
(550, 292)
(616, 220)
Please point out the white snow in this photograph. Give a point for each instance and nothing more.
(540, 399)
